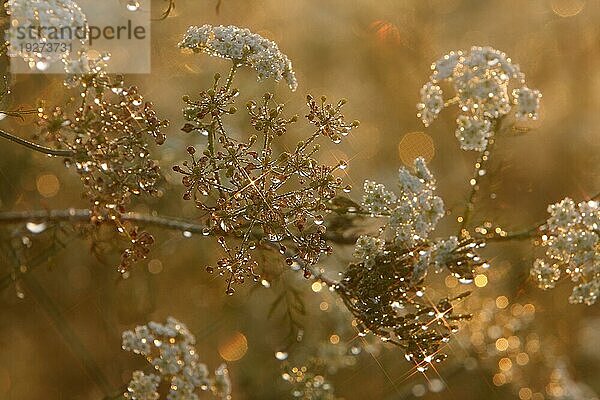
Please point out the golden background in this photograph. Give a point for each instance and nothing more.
(377, 54)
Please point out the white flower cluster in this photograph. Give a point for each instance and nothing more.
(412, 215)
(243, 48)
(143, 387)
(51, 21)
(480, 79)
(82, 65)
(170, 349)
(572, 242)
(414, 212)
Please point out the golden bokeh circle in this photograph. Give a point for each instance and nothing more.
(415, 144)
(567, 8)
(48, 185)
(233, 347)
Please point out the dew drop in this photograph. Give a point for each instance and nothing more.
(36, 228)
(274, 237)
(281, 355)
(133, 5)
(187, 234)
(42, 65)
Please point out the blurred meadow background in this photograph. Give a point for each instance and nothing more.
(376, 54)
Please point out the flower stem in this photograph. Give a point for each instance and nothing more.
(480, 166)
(37, 147)
(231, 75)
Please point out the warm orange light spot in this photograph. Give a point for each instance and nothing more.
(505, 364)
(501, 302)
(334, 339)
(499, 379)
(415, 144)
(525, 394)
(451, 281)
(48, 185)
(522, 358)
(155, 266)
(386, 32)
(233, 347)
(502, 344)
(567, 8)
(481, 280)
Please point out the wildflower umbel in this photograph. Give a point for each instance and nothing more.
(47, 15)
(248, 191)
(108, 136)
(481, 79)
(170, 349)
(243, 48)
(385, 289)
(571, 237)
(249, 195)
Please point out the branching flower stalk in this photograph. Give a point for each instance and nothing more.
(242, 187)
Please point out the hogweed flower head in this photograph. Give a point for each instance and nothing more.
(571, 238)
(384, 291)
(481, 79)
(170, 349)
(243, 48)
(108, 135)
(250, 194)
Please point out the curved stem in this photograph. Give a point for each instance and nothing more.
(229, 81)
(480, 165)
(83, 216)
(37, 147)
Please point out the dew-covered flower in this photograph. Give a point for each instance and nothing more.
(250, 189)
(432, 103)
(413, 212)
(170, 349)
(143, 387)
(377, 199)
(384, 290)
(545, 274)
(367, 248)
(572, 248)
(481, 78)
(473, 133)
(527, 102)
(77, 68)
(444, 67)
(49, 21)
(243, 48)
